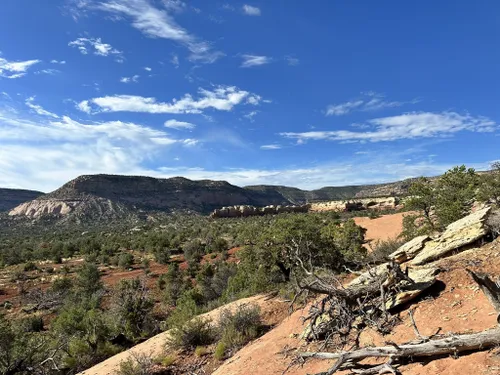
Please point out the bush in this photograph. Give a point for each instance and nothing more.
(200, 351)
(239, 327)
(126, 260)
(88, 280)
(382, 249)
(32, 324)
(136, 364)
(220, 351)
(30, 266)
(194, 333)
(132, 307)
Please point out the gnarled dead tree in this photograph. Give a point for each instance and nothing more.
(422, 347)
(344, 311)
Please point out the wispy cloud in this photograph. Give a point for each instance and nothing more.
(250, 115)
(61, 62)
(254, 60)
(38, 109)
(97, 47)
(344, 108)
(47, 150)
(407, 126)
(251, 10)
(147, 69)
(292, 61)
(48, 71)
(134, 79)
(175, 60)
(370, 101)
(15, 69)
(156, 22)
(174, 124)
(270, 147)
(221, 98)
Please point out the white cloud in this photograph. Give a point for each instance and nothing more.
(157, 23)
(174, 124)
(250, 115)
(292, 61)
(97, 47)
(222, 98)
(38, 109)
(270, 147)
(175, 60)
(134, 79)
(251, 11)
(15, 69)
(84, 106)
(175, 5)
(371, 101)
(342, 109)
(254, 60)
(62, 62)
(48, 71)
(147, 69)
(407, 126)
(47, 151)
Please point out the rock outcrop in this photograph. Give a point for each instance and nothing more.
(357, 204)
(246, 211)
(410, 249)
(457, 235)
(10, 198)
(424, 277)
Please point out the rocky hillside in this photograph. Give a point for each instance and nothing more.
(10, 198)
(330, 193)
(108, 196)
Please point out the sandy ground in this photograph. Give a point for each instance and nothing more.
(382, 228)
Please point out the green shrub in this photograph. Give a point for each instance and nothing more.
(32, 324)
(200, 351)
(126, 260)
(194, 333)
(136, 364)
(30, 266)
(239, 327)
(220, 351)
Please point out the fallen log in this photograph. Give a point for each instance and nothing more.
(425, 347)
(433, 348)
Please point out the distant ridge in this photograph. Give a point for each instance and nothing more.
(104, 196)
(10, 198)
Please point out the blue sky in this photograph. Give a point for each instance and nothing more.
(297, 93)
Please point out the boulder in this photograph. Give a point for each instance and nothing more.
(410, 249)
(457, 235)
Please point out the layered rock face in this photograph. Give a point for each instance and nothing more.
(246, 211)
(10, 198)
(357, 204)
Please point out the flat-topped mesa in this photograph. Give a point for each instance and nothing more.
(245, 211)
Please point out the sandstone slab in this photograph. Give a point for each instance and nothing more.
(457, 235)
(410, 249)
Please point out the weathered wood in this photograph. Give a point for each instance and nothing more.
(489, 288)
(449, 345)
